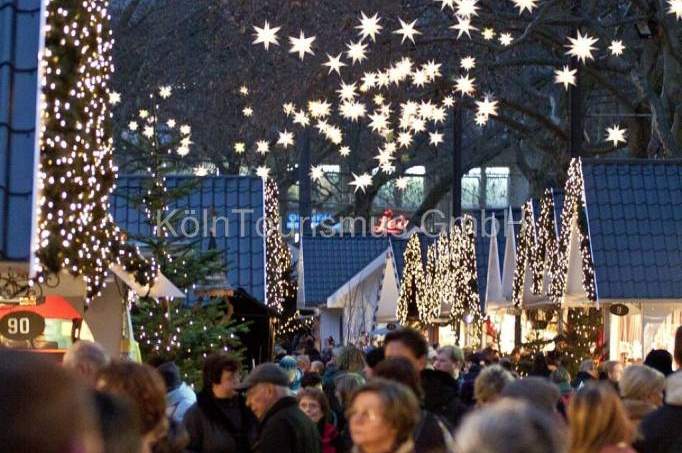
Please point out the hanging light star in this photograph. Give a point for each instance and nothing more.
(465, 85)
(361, 182)
(319, 109)
(448, 101)
(675, 8)
(289, 108)
(301, 118)
(132, 126)
(566, 76)
(435, 138)
(468, 63)
(316, 173)
(481, 120)
(263, 172)
(617, 48)
(301, 45)
(170, 123)
(344, 151)
(404, 139)
(334, 63)
(615, 134)
(239, 147)
(408, 31)
(466, 8)
(285, 139)
(488, 33)
(401, 183)
(463, 26)
(357, 51)
(525, 5)
(347, 91)
(244, 90)
(487, 107)
(165, 92)
(449, 3)
(266, 35)
(262, 147)
(114, 97)
(185, 129)
(369, 26)
(506, 39)
(148, 131)
(248, 112)
(581, 47)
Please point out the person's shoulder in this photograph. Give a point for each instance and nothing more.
(621, 448)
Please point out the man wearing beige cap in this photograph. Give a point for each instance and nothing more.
(283, 427)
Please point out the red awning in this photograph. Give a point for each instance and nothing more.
(55, 307)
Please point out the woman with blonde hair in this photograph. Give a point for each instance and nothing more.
(598, 422)
(641, 389)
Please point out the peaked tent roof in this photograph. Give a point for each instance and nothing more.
(227, 197)
(19, 46)
(330, 262)
(634, 211)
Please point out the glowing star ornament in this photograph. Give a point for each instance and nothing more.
(301, 45)
(617, 48)
(334, 64)
(301, 118)
(239, 147)
(432, 69)
(114, 97)
(523, 5)
(401, 183)
(487, 107)
(148, 131)
(262, 147)
(165, 92)
(170, 123)
(316, 173)
(132, 126)
(581, 47)
(465, 85)
(408, 31)
(404, 139)
(266, 35)
(285, 139)
(435, 138)
(448, 101)
(344, 151)
(488, 33)
(506, 39)
(565, 76)
(467, 63)
(675, 7)
(449, 3)
(361, 182)
(466, 8)
(615, 135)
(347, 91)
(185, 129)
(289, 108)
(243, 90)
(463, 26)
(356, 51)
(247, 112)
(263, 172)
(369, 26)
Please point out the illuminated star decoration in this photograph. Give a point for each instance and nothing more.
(170, 123)
(506, 39)
(401, 183)
(487, 107)
(615, 134)
(266, 35)
(114, 97)
(285, 139)
(356, 51)
(243, 90)
(334, 64)
(617, 48)
(435, 138)
(525, 5)
(247, 112)
(675, 8)
(263, 172)
(316, 173)
(369, 26)
(132, 126)
(344, 151)
(466, 8)
(239, 147)
(468, 63)
(165, 92)
(581, 47)
(301, 45)
(463, 26)
(488, 33)
(407, 31)
(262, 146)
(361, 182)
(465, 85)
(566, 76)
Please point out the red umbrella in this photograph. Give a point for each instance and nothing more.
(54, 307)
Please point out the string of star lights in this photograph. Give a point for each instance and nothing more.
(412, 282)
(76, 232)
(545, 247)
(573, 216)
(294, 324)
(524, 254)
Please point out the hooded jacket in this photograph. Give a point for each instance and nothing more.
(441, 396)
(178, 401)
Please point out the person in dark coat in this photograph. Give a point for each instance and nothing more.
(661, 430)
(587, 372)
(220, 420)
(283, 427)
(441, 392)
(661, 360)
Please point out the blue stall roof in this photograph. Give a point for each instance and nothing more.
(330, 262)
(634, 211)
(228, 197)
(19, 45)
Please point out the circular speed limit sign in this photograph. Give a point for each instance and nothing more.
(21, 325)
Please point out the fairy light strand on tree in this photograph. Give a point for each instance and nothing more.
(412, 281)
(524, 254)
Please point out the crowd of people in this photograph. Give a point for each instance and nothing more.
(403, 396)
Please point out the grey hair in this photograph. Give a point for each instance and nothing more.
(85, 353)
(640, 381)
(512, 427)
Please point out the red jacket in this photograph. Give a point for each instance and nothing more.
(329, 435)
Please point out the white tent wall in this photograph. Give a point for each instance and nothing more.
(330, 324)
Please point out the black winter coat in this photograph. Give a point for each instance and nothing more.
(441, 396)
(286, 429)
(661, 431)
(212, 430)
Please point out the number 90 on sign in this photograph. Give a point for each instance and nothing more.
(21, 325)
